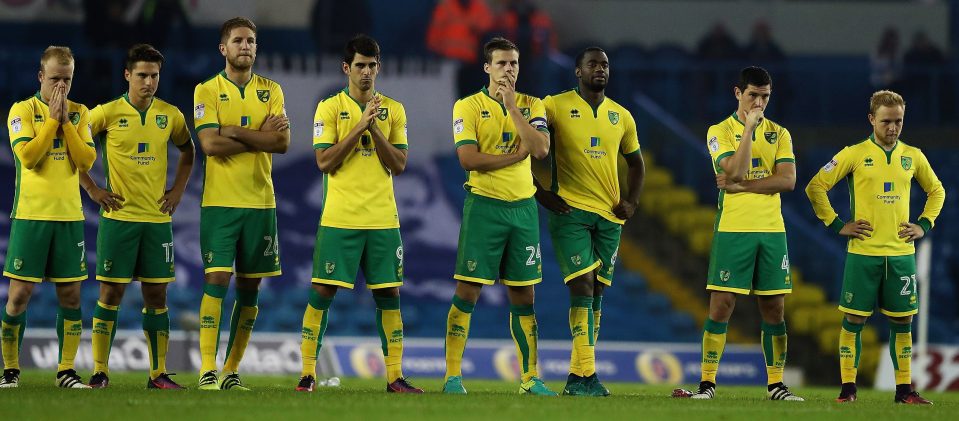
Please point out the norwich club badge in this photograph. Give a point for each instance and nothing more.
(771, 137)
(107, 265)
(263, 95)
(906, 163)
(18, 263)
(383, 113)
(330, 267)
(161, 121)
(471, 265)
(724, 275)
(74, 118)
(525, 112)
(576, 260)
(848, 297)
(613, 117)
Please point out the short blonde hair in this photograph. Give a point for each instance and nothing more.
(63, 55)
(885, 98)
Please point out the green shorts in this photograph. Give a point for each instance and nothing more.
(749, 263)
(585, 241)
(499, 240)
(127, 250)
(46, 249)
(890, 280)
(340, 252)
(243, 236)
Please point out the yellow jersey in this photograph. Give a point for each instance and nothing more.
(243, 180)
(772, 145)
(483, 121)
(358, 194)
(587, 143)
(134, 151)
(51, 190)
(880, 182)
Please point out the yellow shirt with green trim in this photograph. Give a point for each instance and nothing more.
(480, 120)
(750, 212)
(880, 183)
(587, 143)
(358, 194)
(243, 180)
(51, 190)
(134, 151)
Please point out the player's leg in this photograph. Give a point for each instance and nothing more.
(606, 239)
(155, 271)
(899, 301)
(523, 268)
(861, 279)
(382, 264)
(117, 249)
(483, 235)
(219, 234)
(574, 253)
(27, 253)
(773, 281)
(66, 268)
(336, 260)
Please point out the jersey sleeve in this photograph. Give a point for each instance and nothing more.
(464, 124)
(204, 108)
(85, 126)
(98, 120)
(398, 128)
(549, 105)
(180, 134)
(277, 100)
(935, 192)
(324, 124)
(836, 169)
(720, 144)
(784, 151)
(20, 124)
(537, 115)
(630, 141)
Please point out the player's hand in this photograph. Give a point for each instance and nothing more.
(506, 89)
(170, 200)
(624, 209)
(860, 229)
(552, 202)
(372, 108)
(56, 105)
(911, 232)
(754, 117)
(107, 200)
(65, 115)
(722, 182)
(521, 149)
(275, 123)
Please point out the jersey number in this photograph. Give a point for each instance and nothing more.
(905, 288)
(272, 246)
(533, 255)
(168, 251)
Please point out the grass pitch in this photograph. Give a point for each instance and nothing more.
(273, 399)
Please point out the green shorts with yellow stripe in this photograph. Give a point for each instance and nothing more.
(890, 280)
(749, 263)
(127, 250)
(46, 249)
(499, 240)
(340, 252)
(584, 242)
(241, 236)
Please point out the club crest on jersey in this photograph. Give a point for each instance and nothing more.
(525, 112)
(74, 118)
(613, 117)
(724, 275)
(18, 263)
(263, 95)
(848, 297)
(162, 121)
(107, 265)
(906, 162)
(771, 137)
(383, 113)
(576, 260)
(471, 265)
(209, 257)
(330, 267)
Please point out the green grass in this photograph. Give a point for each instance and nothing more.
(273, 399)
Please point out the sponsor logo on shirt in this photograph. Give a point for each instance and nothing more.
(713, 144)
(574, 113)
(317, 128)
(199, 110)
(594, 142)
(16, 124)
(458, 126)
(868, 161)
(831, 165)
(888, 197)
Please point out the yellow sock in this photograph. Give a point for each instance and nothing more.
(900, 349)
(156, 329)
(597, 312)
(389, 323)
(241, 328)
(315, 319)
(69, 329)
(523, 328)
(773, 338)
(714, 341)
(850, 347)
(104, 328)
(457, 331)
(583, 359)
(211, 307)
(11, 338)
